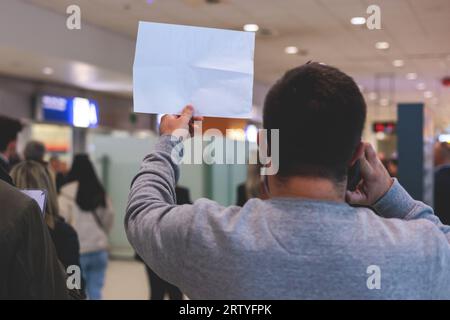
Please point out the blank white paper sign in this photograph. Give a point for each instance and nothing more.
(211, 69)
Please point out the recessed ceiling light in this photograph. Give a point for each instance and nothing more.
(398, 63)
(384, 102)
(47, 71)
(380, 135)
(372, 96)
(291, 50)
(358, 20)
(251, 27)
(421, 86)
(428, 94)
(382, 45)
(411, 76)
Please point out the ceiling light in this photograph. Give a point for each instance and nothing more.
(291, 50)
(411, 76)
(251, 133)
(372, 96)
(382, 45)
(384, 102)
(421, 86)
(380, 135)
(444, 138)
(428, 94)
(358, 20)
(47, 71)
(398, 63)
(251, 27)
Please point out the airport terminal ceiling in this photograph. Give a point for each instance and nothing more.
(411, 69)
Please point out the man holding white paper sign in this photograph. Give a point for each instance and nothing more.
(306, 241)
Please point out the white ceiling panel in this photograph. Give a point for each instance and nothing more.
(417, 30)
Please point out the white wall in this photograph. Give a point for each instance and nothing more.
(17, 100)
(91, 44)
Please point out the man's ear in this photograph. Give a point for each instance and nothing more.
(357, 154)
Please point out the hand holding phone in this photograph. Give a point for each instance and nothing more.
(375, 180)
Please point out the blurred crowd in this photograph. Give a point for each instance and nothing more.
(77, 217)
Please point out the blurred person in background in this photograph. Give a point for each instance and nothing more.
(392, 167)
(59, 170)
(9, 129)
(159, 288)
(29, 266)
(35, 151)
(85, 205)
(253, 186)
(33, 175)
(442, 181)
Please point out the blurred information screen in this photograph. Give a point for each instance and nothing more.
(212, 69)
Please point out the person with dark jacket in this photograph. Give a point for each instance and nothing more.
(4, 176)
(29, 267)
(9, 129)
(442, 182)
(84, 204)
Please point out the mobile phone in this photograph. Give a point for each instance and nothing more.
(354, 176)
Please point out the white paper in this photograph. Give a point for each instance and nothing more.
(39, 196)
(211, 69)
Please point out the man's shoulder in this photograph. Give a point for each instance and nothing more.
(12, 199)
(15, 204)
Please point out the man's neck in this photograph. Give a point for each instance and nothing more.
(307, 187)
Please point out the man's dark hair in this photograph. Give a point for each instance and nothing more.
(9, 128)
(320, 113)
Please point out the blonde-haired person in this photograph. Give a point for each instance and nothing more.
(32, 175)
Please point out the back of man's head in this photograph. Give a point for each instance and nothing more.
(320, 113)
(34, 150)
(9, 128)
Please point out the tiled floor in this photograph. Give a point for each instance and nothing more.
(125, 280)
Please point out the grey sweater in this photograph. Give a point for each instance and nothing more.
(286, 248)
